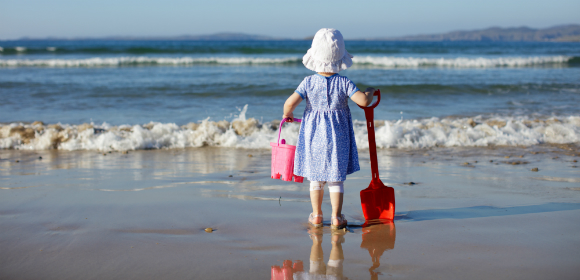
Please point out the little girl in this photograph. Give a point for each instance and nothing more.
(326, 148)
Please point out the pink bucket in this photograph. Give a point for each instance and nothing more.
(283, 159)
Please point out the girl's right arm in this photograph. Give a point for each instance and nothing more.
(363, 99)
(291, 104)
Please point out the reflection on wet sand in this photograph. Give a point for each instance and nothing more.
(17, 188)
(167, 186)
(177, 162)
(376, 238)
(287, 270)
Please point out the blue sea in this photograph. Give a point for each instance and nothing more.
(127, 95)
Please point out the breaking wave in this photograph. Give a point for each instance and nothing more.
(460, 62)
(376, 61)
(251, 134)
(142, 61)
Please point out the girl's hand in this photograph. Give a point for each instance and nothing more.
(365, 98)
(373, 91)
(289, 117)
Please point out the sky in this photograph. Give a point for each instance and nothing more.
(287, 19)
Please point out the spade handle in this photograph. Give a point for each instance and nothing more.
(369, 115)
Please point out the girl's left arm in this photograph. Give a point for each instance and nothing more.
(291, 104)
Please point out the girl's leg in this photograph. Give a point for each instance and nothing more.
(336, 190)
(316, 254)
(316, 195)
(336, 258)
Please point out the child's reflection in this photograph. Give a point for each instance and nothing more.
(376, 238)
(318, 269)
(333, 269)
(316, 255)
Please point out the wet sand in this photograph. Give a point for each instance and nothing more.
(469, 214)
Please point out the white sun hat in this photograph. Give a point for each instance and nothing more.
(327, 53)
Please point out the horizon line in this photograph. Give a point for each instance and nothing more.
(258, 37)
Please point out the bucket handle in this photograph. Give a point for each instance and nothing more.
(281, 123)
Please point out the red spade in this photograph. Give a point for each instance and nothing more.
(378, 200)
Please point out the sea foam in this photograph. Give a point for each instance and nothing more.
(251, 134)
(459, 62)
(377, 61)
(141, 60)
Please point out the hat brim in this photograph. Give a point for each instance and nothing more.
(331, 67)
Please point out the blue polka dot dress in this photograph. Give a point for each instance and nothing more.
(326, 148)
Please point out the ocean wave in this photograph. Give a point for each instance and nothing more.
(152, 48)
(251, 134)
(376, 61)
(142, 61)
(460, 62)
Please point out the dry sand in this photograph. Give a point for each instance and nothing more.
(142, 215)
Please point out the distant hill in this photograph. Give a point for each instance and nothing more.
(561, 33)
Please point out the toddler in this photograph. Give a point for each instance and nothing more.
(326, 149)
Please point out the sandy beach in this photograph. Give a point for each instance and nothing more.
(460, 214)
(135, 139)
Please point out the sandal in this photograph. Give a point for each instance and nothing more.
(341, 220)
(311, 219)
(315, 234)
(337, 236)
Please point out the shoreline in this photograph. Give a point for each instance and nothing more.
(143, 215)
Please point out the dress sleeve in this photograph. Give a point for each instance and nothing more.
(301, 90)
(350, 88)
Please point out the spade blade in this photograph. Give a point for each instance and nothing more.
(378, 201)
